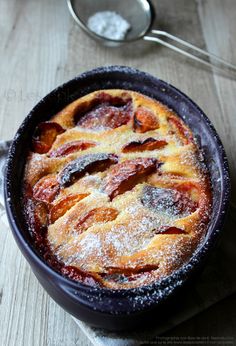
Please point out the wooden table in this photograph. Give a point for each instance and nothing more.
(41, 47)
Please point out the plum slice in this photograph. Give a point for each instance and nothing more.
(169, 230)
(63, 205)
(142, 268)
(144, 120)
(76, 274)
(44, 136)
(85, 164)
(71, 147)
(166, 200)
(125, 175)
(178, 127)
(37, 217)
(101, 214)
(46, 189)
(121, 275)
(36, 214)
(142, 145)
(104, 112)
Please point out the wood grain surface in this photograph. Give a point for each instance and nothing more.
(40, 48)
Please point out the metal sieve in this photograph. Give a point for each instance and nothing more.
(140, 15)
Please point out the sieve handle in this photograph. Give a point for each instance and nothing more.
(184, 43)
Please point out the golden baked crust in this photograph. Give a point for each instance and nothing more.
(116, 188)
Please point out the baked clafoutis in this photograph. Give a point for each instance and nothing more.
(116, 193)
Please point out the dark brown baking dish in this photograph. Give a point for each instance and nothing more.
(116, 309)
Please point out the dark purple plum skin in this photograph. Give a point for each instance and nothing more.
(85, 164)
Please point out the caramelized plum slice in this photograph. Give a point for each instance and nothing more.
(121, 275)
(63, 205)
(90, 218)
(170, 201)
(76, 274)
(44, 136)
(142, 145)
(125, 175)
(144, 120)
(178, 126)
(46, 189)
(169, 230)
(132, 270)
(71, 147)
(51, 259)
(36, 215)
(104, 112)
(85, 164)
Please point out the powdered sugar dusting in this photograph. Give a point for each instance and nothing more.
(109, 24)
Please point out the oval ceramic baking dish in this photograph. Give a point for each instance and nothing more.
(101, 307)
